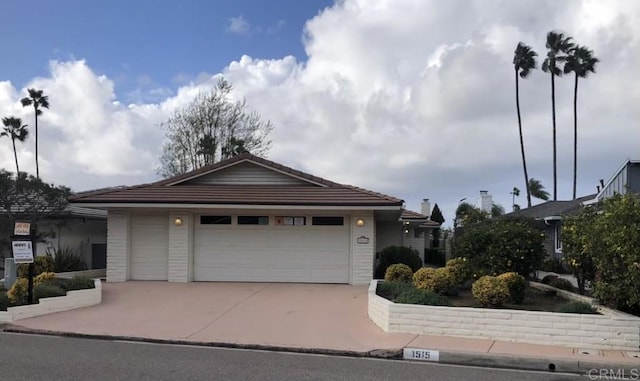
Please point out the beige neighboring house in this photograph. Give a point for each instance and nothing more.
(249, 219)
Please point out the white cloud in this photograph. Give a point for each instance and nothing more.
(238, 25)
(411, 98)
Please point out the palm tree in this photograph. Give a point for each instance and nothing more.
(14, 129)
(38, 101)
(537, 190)
(516, 193)
(557, 44)
(524, 60)
(580, 61)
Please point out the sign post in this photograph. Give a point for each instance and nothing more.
(22, 245)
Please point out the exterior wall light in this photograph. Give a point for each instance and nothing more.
(178, 221)
(360, 222)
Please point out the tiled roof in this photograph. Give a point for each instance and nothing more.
(552, 208)
(171, 191)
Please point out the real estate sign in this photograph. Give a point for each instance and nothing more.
(22, 251)
(21, 228)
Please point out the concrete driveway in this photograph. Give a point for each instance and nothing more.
(316, 316)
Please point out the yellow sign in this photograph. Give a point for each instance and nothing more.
(21, 228)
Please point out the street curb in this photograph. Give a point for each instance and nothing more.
(551, 365)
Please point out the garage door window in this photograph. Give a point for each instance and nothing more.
(328, 221)
(253, 220)
(290, 220)
(215, 220)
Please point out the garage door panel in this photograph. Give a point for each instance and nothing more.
(272, 254)
(149, 247)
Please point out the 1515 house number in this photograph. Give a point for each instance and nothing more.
(421, 354)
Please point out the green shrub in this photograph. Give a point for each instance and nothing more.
(79, 283)
(578, 308)
(562, 284)
(501, 245)
(424, 297)
(516, 284)
(490, 291)
(42, 264)
(391, 290)
(45, 290)
(438, 280)
(547, 279)
(43, 277)
(4, 301)
(66, 260)
(19, 291)
(398, 272)
(397, 254)
(459, 269)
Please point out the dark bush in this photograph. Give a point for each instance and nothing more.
(562, 284)
(416, 296)
(435, 256)
(390, 290)
(554, 266)
(4, 301)
(548, 278)
(42, 264)
(66, 260)
(578, 308)
(397, 254)
(45, 290)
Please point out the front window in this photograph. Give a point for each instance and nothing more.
(558, 238)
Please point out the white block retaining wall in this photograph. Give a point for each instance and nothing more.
(611, 330)
(73, 299)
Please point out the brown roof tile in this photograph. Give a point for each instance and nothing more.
(171, 191)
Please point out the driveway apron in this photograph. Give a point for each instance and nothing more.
(315, 316)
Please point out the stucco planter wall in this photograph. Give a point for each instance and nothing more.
(611, 330)
(73, 299)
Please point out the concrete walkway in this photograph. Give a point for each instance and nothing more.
(324, 318)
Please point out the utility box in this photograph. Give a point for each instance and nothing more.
(10, 273)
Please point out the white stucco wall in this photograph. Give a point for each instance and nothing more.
(610, 330)
(362, 254)
(118, 246)
(181, 247)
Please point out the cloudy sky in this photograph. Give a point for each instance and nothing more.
(411, 98)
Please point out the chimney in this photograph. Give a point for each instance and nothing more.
(602, 183)
(425, 207)
(598, 188)
(485, 202)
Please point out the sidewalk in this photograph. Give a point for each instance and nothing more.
(329, 319)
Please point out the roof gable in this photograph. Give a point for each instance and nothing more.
(246, 173)
(242, 180)
(246, 169)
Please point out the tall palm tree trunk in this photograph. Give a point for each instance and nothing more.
(15, 155)
(37, 166)
(575, 137)
(524, 160)
(555, 157)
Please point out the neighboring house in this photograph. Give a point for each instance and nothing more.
(626, 179)
(549, 216)
(411, 230)
(247, 219)
(83, 230)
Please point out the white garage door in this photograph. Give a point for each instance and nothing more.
(149, 247)
(268, 253)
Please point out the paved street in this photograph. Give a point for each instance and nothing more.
(32, 357)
